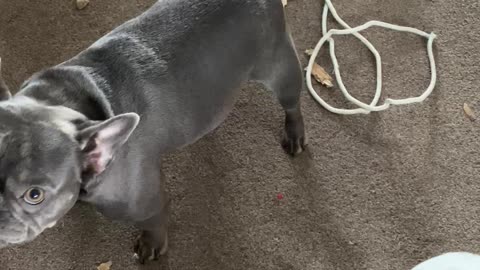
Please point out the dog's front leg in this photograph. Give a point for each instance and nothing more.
(153, 239)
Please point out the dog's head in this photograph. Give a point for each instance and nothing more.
(45, 154)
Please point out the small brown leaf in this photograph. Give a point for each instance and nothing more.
(322, 76)
(81, 4)
(105, 266)
(469, 112)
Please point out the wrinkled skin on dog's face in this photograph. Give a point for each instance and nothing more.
(40, 172)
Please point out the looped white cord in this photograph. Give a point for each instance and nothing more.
(365, 108)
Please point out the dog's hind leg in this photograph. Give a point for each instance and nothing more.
(282, 74)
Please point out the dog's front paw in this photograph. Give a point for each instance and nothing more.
(293, 145)
(148, 249)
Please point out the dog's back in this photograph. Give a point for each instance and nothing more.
(187, 55)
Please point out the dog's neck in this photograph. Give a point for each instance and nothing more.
(75, 87)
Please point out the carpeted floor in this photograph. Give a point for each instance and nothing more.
(376, 192)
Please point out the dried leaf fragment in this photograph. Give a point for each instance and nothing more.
(105, 266)
(284, 2)
(319, 72)
(321, 75)
(81, 4)
(469, 112)
(309, 52)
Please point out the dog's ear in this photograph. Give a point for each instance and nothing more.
(100, 142)
(4, 91)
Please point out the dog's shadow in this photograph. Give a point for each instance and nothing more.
(225, 211)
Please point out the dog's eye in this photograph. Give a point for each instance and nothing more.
(34, 196)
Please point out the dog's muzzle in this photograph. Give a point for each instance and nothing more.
(12, 230)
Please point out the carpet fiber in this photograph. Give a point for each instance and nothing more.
(382, 191)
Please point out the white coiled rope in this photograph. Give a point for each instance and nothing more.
(363, 107)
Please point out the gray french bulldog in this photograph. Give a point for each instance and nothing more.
(95, 127)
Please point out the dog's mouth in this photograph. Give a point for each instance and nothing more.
(17, 228)
(13, 231)
(16, 238)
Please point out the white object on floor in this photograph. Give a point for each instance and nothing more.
(451, 261)
(364, 108)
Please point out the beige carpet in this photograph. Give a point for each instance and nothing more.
(376, 192)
